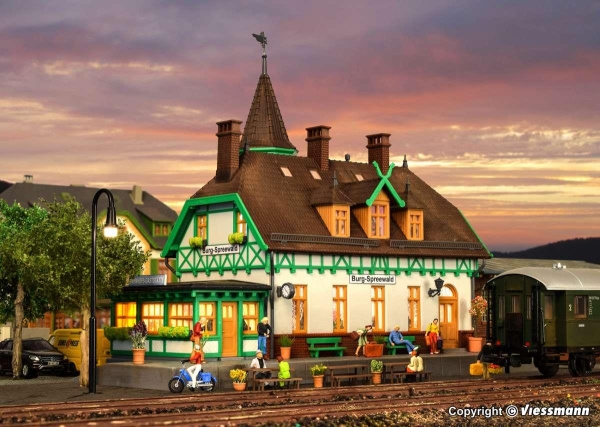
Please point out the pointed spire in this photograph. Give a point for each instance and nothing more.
(404, 162)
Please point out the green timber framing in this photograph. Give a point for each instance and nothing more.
(196, 293)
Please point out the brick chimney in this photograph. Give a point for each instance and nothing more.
(378, 146)
(318, 138)
(228, 151)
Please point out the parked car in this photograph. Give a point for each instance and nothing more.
(38, 356)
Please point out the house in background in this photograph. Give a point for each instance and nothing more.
(329, 245)
(146, 217)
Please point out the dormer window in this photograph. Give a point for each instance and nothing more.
(315, 174)
(336, 219)
(359, 177)
(286, 171)
(379, 220)
(161, 229)
(410, 222)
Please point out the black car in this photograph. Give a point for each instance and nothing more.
(38, 356)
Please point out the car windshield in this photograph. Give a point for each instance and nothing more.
(37, 345)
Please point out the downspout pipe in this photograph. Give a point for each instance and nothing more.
(170, 267)
(272, 303)
(473, 277)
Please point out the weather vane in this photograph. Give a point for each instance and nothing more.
(262, 39)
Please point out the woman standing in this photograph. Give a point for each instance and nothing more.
(362, 338)
(433, 330)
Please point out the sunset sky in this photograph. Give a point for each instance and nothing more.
(496, 104)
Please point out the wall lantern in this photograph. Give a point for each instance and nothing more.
(439, 284)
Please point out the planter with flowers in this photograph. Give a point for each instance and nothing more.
(239, 377)
(318, 372)
(285, 346)
(138, 336)
(376, 370)
(478, 309)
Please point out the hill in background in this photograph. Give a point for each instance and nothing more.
(574, 249)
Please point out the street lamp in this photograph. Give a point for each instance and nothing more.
(439, 284)
(110, 230)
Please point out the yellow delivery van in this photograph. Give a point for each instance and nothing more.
(67, 342)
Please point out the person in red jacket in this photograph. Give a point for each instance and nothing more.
(196, 365)
(197, 334)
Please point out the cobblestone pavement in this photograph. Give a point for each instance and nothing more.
(49, 388)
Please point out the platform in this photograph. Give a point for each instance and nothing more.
(156, 373)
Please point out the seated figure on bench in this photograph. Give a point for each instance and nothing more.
(416, 364)
(284, 370)
(259, 363)
(396, 338)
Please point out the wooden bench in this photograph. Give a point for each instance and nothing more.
(393, 348)
(419, 376)
(337, 379)
(260, 382)
(330, 343)
(256, 381)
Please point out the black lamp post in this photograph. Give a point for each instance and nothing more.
(439, 284)
(110, 230)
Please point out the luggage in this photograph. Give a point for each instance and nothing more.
(476, 369)
(354, 335)
(427, 340)
(440, 344)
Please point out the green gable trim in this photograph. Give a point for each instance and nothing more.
(398, 266)
(251, 257)
(476, 235)
(142, 229)
(385, 181)
(188, 212)
(273, 150)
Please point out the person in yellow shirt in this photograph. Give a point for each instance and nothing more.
(432, 332)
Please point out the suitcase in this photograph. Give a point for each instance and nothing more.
(354, 335)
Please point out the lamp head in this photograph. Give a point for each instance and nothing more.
(110, 229)
(439, 284)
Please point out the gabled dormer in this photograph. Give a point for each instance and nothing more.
(375, 219)
(411, 223)
(333, 206)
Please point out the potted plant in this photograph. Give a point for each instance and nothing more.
(318, 371)
(170, 332)
(375, 349)
(286, 342)
(238, 238)
(138, 336)
(239, 377)
(197, 242)
(376, 370)
(478, 309)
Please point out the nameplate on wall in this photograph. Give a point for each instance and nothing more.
(221, 250)
(149, 280)
(372, 279)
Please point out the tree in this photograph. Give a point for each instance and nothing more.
(64, 240)
(25, 266)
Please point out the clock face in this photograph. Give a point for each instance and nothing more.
(287, 290)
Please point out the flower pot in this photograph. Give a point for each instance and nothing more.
(376, 377)
(139, 356)
(286, 352)
(475, 344)
(318, 381)
(239, 386)
(373, 350)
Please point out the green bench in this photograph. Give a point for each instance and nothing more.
(329, 343)
(393, 348)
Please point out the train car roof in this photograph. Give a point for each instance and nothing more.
(560, 279)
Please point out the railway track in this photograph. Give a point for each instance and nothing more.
(296, 405)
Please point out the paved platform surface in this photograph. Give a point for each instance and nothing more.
(120, 379)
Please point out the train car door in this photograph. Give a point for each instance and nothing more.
(549, 328)
(448, 318)
(513, 322)
(230, 335)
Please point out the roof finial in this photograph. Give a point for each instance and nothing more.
(262, 39)
(404, 162)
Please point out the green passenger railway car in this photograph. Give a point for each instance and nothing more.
(545, 316)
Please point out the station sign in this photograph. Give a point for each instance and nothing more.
(372, 279)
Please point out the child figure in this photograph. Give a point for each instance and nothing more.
(196, 366)
(284, 370)
(416, 363)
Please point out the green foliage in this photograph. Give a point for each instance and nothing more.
(196, 242)
(376, 366)
(111, 333)
(238, 375)
(318, 369)
(174, 332)
(285, 341)
(380, 339)
(236, 238)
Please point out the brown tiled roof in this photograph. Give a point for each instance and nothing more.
(264, 126)
(280, 204)
(329, 194)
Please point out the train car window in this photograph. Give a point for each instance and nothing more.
(515, 304)
(528, 302)
(548, 307)
(500, 307)
(581, 304)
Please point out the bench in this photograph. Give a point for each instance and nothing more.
(256, 381)
(337, 379)
(393, 348)
(419, 376)
(291, 382)
(330, 343)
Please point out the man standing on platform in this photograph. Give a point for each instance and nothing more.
(264, 330)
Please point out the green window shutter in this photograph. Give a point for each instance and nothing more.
(154, 266)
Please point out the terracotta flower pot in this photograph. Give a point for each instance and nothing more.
(239, 386)
(139, 356)
(376, 377)
(475, 344)
(286, 352)
(318, 381)
(373, 350)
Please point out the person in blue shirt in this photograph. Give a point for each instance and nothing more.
(397, 338)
